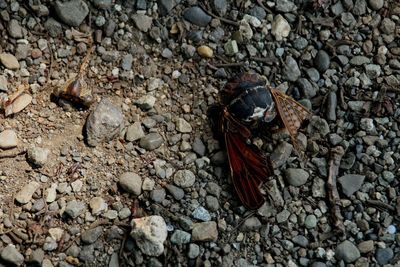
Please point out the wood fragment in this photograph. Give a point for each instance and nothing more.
(261, 4)
(12, 153)
(333, 194)
(227, 21)
(380, 205)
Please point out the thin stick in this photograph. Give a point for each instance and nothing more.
(260, 3)
(228, 21)
(12, 153)
(333, 194)
(380, 205)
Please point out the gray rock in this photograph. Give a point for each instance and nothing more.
(300, 43)
(360, 7)
(318, 125)
(180, 237)
(75, 208)
(104, 123)
(296, 177)
(199, 147)
(158, 195)
(321, 165)
(200, 213)
(110, 27)
(142, 22)
(167, 53)
(387, 26)
(351, 183)
(11, 255)
(90, 236)
(384, 255)
(282, 216)
(126, 63)
(291, 71)
(183, 126)
(8, 139)
(150, 233)
(322, 61)
(72, 12)
(205, 231)
(184, 178)
(301, 241)
(251, 224)
(285, 6)
(165, 6)
(318, 188)
(3, 83)
(197, 16)
(308, 90)
(348, 19)
(175, 191)
(114, 261)
(310, 221)
(15, 30)
(194, 251)
(359, 60)
(337, 8)
(37, 156)
(134, 132)
(103, 4)
(141, 4)
(258, 12)
(280, 155)
(212, 203)
(376, 4)
(37, 256)
(131, 182)
(366, 246)
(231, 48)
(347, 252)
(9, 61)
(151, 141)
(220, 6)
(331, 106)
(373, 71)
(313, 74)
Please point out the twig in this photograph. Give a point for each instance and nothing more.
(228, 21)
(12, 153)
(260, 3)
(380, 205)
(229, 65)
(333, 194)
(265, 59)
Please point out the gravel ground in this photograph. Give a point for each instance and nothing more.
(134, 178)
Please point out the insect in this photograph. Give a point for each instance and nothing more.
(247, 103)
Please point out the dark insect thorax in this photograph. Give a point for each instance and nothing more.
(253, 103)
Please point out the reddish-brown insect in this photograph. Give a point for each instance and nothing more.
(245, 101)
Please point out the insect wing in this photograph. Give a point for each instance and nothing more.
(249, 169)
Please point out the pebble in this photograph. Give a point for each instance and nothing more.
(149, 233)
(75, 208)
(231, 48)
(131, 183)
(8, 139)
(282, 216)
(280, 28)
(220, 6)
(285, 6)
(373, 71)
(142, 22)
(251, 224)
(165, 6)
(9, 61)
(384, 255)
(56, 233)
(184, 178)
(104, 123)
(151, 141)
(376, 4)
(90, 236)
(38, 156)
(126, 63)
(322, 61)
(205, 231)
(53, 27)
(71, 12)
(146, 102)
(351, 183)
(183, 126)
(97, 205)
(103, 4)
(205, 51)
(387, 26)
(180, 237)
(366, 246)
(197, 16)
(359, 60)
(134, 132)
(296, 177)
(200, 213)
(3, 83)
(37, 257)
(291, 71)
(11, 255)
(280, 155)
(301, 241)
(158, 195)
(310, 221)
(26, 193)
(194, 251)
(347, 252)
(360, 7)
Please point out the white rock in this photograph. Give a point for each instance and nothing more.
(56, 233)
(98, 205)
(148, 184)
(25, 195)
(280, 28)
(253, 21)
(155, 83)
(77, 185)
(51, 193)
(183, 126)
(8, 139)
(150, 233)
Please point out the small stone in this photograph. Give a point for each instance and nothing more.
(142, 22)
(51, 193)
(71, 12)
(38, 156)
(3, 83)
(183, 126)
(184, 178)
(347, 252)
(376, 4)
(37, 257)
(360, 7)
(366, 246)
(231, 48)
(387, 26)
(158, 195)
(194, 251)
(282, 216)
(322, 61)
(75, 208)
(167, 53)
(56, 233)
(134, 132)
(197, 16)
(200, 213)
(291, 71)
(313, 74)
(367, 124)
(111, 214)
(301, 241)
(47, 263)
(348, 19)
(53, 27)
(11, 255)
(165, 6)
(131, 182)
(102, 4)
(384, 255)
(281, 154)
(251, 224)
(205, 231)
(26, 193)
(359, 60)
(280, 28)
(148, 184)
(373, 71)
(8, 139)
(151, 141)
(318, 125)
(9, 61)
(296, 177)
(77, 185)
(220, 6)
(205, 51)
(90, 236)
(351, 183)
(337, 8)
(126, 63)
(307, 88)
(104, 123)
(310, 221)
(180, 237)
(97, 205)
(285, 6)
(146, 102)
(150, 233)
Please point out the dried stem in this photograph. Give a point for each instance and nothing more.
(333, 194)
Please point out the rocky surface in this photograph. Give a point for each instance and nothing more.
(136, 179)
